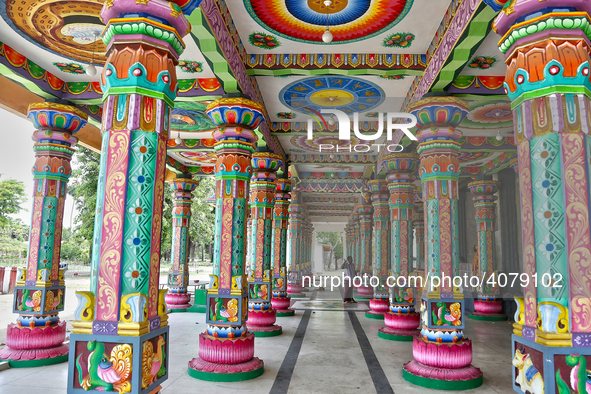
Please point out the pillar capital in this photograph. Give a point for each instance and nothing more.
(438, 117)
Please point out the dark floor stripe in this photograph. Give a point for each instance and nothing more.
(283, 378)
(380, 381)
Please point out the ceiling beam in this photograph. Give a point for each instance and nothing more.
(17, 102)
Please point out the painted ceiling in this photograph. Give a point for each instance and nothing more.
(384, 55)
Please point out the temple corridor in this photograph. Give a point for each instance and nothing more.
(328, 355)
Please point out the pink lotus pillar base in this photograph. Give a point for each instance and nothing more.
(226, 360)
(294, 290)
(488, 307)
(204, 366)
(39, 343)
(365, 292)
(262, 323)
(177, 300)
(488, 310)
(226, 351)
(466, 373)
(281, 305)
(400, 326)
(378, 308)
(442, 366)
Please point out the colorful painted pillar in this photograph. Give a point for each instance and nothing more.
(365, 292)
(356, 236)
(442, 355)
(486, 306)
(295, 240)
(308, 245)
(261, 315)
(280, 301)
(121, 323)
(348, 239)
(381, 217)
(248, 263)
(402, 320)
(38, 335)
(546, 47)
(226, 348)
(419, 227)
(177, 298)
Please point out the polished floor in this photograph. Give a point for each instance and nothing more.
(320, 351)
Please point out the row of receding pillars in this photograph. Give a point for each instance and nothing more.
(121, 323)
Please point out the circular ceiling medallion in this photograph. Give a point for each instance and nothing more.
(491, 113)
(319, 7)
(349, 20)
(71, 29)
(347, 94)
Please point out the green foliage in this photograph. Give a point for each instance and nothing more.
(83, 187)
(74, 247)
(201, 227)
(12, 248)
(15, 229)
(12, 195)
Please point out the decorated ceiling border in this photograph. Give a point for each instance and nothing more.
(470, 84)
(338, 208)
(487, 144)
(330, 199)
(495, 165)
(208, 14)
(36, 79)
(280, 128)
(443, 27)
(343, 64)
(334, 175)
(466, 46)
(335, 158)
(179, 168)
(324, 187)
(459, 33)
(205, 39)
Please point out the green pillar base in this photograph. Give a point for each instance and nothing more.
(374, 316)
(262, 334)
(297, 295)
(393, 337)
(38, 363)
(488, 317)
(284, 314)
(362, 298)
(436, 384)
(226, 377)
(192, 309)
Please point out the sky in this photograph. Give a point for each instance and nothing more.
(17, 159)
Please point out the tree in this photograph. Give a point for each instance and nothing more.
(83, 188)
(15, 229)
(335, 241)
(201, 229)
(12, 195)
(201, 226)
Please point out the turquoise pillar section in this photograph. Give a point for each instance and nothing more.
(226, 348)
(442, 354)
(548, 80)
(124, 313)
(177, 298)
(38, 335)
